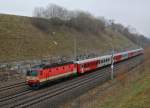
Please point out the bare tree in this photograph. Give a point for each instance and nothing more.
(39, 12)
(79, 20)
(51, 11)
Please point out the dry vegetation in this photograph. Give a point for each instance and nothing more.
(21, 39)
(51, 32)
(126, 91)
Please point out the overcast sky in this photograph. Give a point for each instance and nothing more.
(128, 12)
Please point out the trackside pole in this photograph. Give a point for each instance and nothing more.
(75, 49)
(112, 66)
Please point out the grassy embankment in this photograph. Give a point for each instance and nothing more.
(20, 39)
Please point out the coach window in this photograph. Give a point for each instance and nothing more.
(104, 61)
(107, 59)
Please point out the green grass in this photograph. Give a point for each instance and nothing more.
(20, 39)
(136, 95)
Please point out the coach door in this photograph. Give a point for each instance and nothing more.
(82, 68)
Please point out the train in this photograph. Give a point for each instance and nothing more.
(45, 73)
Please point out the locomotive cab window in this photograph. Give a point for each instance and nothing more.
(32, 73)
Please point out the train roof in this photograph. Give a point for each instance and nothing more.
(128, 51)
(57, 64)
(125, 52)
(135, 50)
(44, 66)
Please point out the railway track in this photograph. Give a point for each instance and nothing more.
(29, 97)
(13, 89)
(52, 91)
(52, 94)
(12, 86)
(14, 96)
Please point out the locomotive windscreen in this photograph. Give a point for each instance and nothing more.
(32, 73)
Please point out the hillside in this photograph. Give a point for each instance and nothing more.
(21, 39)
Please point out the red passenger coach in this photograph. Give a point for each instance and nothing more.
(117, 57)
(87, 65)
(136, 52)
(131, 54)
(120, 56)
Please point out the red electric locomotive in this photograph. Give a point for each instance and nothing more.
(42, 73)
